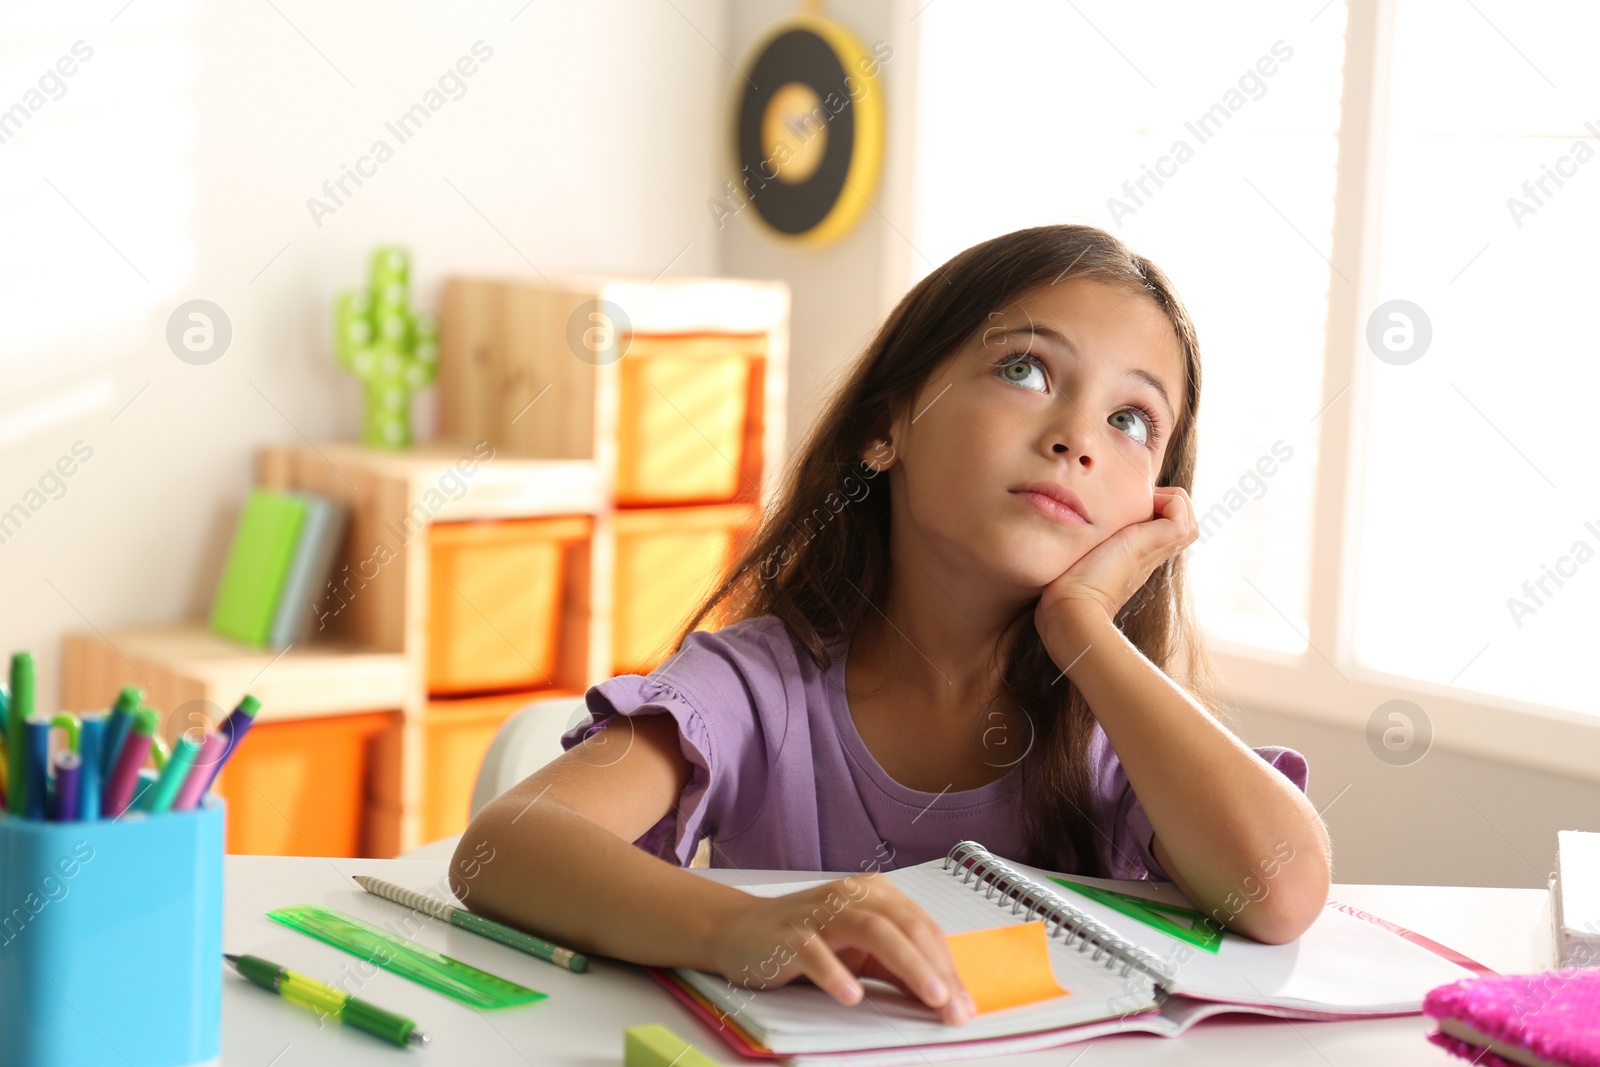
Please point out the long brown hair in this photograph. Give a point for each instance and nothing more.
(821, 568)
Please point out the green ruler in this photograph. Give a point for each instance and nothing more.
(422, 965)
(1184, 924)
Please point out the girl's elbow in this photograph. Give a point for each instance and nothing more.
(1277, 926)
(474, 853)
(1291, 909)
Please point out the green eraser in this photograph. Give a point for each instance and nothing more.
(656, 1046)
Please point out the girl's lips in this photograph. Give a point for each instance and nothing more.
(1052, 508)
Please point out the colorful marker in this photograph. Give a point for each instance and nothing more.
(210, 756)
(124, 776)
(233, 730)
(173, 773)
(117, 726)
(22, 679)
(68, 793)
(36, 788)
(91, 744)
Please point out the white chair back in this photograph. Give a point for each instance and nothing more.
(525, 742)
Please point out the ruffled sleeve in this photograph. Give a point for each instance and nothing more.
(1126, 851)
(710, 688)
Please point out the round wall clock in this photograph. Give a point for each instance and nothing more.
(808, 134)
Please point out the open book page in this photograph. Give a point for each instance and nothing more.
(799, 1017)
(1177, 1015)
(1341, 965)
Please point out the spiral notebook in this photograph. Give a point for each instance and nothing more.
(1121, 973)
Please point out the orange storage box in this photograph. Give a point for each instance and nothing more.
(300, 788)
(457, 734)
(668, 559)
(495, 601)
(688, 417)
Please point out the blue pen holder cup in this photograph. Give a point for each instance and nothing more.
(111, 940)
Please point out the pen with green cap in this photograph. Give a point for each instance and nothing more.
(326, 1000)
(124, 777)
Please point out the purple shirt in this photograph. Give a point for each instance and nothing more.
(781, 780)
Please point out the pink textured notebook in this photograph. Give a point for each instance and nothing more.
(1549, 1019)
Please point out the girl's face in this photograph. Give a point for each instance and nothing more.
(1077, 384)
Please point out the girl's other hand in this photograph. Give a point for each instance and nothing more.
(862, 926)
(1107, 575)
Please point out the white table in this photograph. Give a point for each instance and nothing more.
(583, 1019)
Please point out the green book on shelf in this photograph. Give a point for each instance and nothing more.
(258, 564)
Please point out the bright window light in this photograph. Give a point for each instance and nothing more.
(1036, 112)
(98, 130)
(1479, 561)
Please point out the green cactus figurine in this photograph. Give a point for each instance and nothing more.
(392, 351)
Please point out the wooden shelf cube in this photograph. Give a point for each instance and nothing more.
(515, 370)
(497, 594)
(690, 419)
(301, 788)
(385, 586)
(668, 559)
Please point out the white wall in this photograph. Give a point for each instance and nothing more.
(584, 140)
(1447, 819)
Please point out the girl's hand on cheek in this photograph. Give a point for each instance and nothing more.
(857, 927)
(1108, 574)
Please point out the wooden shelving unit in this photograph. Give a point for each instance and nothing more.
(176, 665)
(528, 429)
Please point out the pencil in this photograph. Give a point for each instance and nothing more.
(466, 920)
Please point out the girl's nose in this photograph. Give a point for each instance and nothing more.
(1075, 442)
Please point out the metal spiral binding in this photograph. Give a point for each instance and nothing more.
(977, 866)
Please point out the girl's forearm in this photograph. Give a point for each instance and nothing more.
(1224, 817)
(552, 872)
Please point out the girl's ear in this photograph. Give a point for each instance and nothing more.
(878, 456)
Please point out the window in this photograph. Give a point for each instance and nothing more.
(1481, 451)
(1464, 570)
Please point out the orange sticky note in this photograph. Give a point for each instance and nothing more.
(1006, 966)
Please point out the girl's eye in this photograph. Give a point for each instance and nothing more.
(1123, 420)
(1023, 363)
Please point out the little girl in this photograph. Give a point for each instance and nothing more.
(994, 642)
